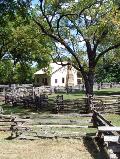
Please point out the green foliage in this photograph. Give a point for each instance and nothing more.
(108, 69)
(108, 73)
(12, 7)
(6, 71)
(23, 42)
(21, 73)
(81, 22)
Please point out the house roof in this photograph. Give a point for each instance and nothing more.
(54, 67)
(40, 72)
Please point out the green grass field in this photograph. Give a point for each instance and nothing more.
(108, 91)
(114, 118)
(103, 92)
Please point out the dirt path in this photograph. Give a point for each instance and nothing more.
(44, 149)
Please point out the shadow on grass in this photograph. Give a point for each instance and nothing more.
(107, 92)
(99, 92)
(93, 149)
(80, 93)
(21, 110)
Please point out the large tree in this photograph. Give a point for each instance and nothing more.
(88, 26)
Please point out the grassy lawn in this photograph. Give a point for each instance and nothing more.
(9, 109)
(103, 92)
(68, 96)
(114, 118)
(108, 91)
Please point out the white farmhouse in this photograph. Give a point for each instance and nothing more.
(58, 76)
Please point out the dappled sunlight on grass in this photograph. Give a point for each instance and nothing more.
(114, 118)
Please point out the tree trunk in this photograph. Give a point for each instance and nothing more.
(89, 90)
(89, 84)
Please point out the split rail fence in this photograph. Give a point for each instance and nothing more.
(34, 99)
(12, 124)
(108, 135)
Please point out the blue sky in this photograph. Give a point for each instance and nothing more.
(35, 2)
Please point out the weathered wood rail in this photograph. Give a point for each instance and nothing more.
(107, 104)
(29, 101)
(59, 105)
(31, 98)
(108, 135)
(100, 104)
(12, 124)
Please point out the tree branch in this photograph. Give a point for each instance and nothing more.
(77, 14)
(102, 36)
(77, 68)
(64, 64)
(45, 16)
(55, 38)
(58, 21)
(46, 32)
(60, 62)
(87, 7)
(105, 51)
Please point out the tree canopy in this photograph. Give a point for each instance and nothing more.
(88, 26)
(21, 41)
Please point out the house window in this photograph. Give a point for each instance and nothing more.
(63, 80)
(79, 81)
(55, 80)
(78, 74)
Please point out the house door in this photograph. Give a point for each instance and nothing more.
(45, 81)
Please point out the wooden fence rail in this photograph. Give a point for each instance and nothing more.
(12, 124)
(29, 98)
(108, 134)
